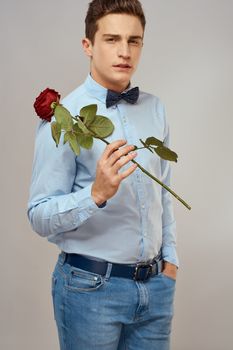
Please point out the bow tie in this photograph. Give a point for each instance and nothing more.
(113, 97)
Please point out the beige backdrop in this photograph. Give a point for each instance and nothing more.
(187, 61)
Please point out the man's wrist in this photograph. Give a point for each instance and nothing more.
(169, 266)
(100, 202)
(170, 269)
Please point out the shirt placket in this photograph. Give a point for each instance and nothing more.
(138, 181)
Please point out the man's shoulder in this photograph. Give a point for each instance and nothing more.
(148, 97)
(71, 100)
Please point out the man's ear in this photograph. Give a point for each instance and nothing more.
(87, 46)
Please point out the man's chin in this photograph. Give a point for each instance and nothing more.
(121, 80)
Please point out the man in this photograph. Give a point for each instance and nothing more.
(113, 285)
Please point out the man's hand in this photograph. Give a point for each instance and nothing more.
(170, 270)
(108, 178)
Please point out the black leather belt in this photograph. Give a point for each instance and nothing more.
(138, 272)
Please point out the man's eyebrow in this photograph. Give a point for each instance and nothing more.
(136, 37)
(118, 36)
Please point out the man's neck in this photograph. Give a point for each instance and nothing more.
(110, 86)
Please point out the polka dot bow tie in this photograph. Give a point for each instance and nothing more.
(113, 97)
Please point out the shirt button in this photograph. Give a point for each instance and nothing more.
(143, 206)
(114, 107)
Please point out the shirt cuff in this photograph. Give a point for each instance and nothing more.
(88, 199)
(102, 205)
(169, 254)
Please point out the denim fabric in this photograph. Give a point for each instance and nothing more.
(94, 312)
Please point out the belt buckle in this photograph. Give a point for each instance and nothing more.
(142, 271)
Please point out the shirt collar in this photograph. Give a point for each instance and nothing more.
(98, 91)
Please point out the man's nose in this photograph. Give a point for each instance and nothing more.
(124, 50)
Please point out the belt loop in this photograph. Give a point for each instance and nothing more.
(108, 272)
(62, 258)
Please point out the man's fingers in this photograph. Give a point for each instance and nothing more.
(123, 160)
(113, 146)
(128, 172)
(116, 155)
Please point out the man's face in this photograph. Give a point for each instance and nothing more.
(116, 50)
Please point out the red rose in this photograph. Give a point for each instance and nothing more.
(43, 103)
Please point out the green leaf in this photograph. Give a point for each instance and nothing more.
(63, 117)
(102, 126)
(85, 141)
(89, 113)
(82, 127)
(66, 137)
(145, 145)
(56, 132)
(152, 141)
(166, 153)
(77, 129)
(70, 136)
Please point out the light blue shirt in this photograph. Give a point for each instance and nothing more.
(138, 221)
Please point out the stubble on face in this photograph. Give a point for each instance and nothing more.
(116, 50)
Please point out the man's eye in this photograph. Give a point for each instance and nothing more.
(110, 40)
(134, 42)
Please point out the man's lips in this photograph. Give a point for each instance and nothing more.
(121, 65)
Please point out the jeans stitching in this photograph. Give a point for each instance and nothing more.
(91, 289)
(123, 330)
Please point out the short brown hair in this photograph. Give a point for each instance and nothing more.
(100, 8)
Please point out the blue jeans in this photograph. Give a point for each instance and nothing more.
(95, 312)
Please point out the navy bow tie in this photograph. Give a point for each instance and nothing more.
(113, 97)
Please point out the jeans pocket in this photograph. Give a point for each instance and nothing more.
(168, 277)
(83, 281)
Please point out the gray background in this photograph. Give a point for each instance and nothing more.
(187, 61)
